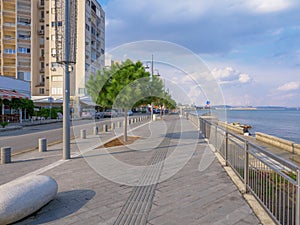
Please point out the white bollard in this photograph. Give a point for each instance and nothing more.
(95, 131)
(5, 155)
(83, 134)
(105, 128)
(42, 144)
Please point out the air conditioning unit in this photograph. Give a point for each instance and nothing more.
(41, 31)
(53, 69)
(53, 55)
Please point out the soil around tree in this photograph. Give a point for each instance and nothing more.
(119, 142)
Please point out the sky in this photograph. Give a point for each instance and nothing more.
(251, 47)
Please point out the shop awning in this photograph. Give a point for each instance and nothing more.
(7, 94)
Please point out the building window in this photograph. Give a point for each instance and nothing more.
(9, 51)
(94, 56)
(57, 91)
(24, 50)
(24, 36)
(87, 27)
(59, 24)
(55, 64)
(24, 21)
(81, 91)
(27, 76)
(57, 78)
(42, 91)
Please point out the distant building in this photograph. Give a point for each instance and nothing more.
(28, 50)
(47, 75)
(15, 34)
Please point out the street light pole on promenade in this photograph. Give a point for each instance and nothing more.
(151, 93)
(66, 89)
(66, 10)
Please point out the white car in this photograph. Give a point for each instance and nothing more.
(110, 113)
(88, 113)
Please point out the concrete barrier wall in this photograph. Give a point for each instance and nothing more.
(231, 127)
(278, 142)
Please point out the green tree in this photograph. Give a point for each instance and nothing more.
(124, 86)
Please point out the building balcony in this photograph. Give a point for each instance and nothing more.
(24, 55)
(9, 41)
(24, 27)
(24, 68)
(24, 12)
(9, 27)
(24, 41)
(9, 14)
(9, 56)
(40, 84)
(9, 70)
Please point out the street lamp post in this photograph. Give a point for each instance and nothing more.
(151, 81)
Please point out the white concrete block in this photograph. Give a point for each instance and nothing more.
(22, 197)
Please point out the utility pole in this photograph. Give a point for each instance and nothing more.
(66, 89)
(66, 10)
(151, 81)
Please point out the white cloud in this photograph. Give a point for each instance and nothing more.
(290, 86)
(244, 78)
(229, 75)
(268, 6)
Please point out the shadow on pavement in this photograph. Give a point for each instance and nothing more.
(65, 204)
(26, 160)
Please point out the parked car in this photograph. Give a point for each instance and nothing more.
(99, 115)
(129, 113)
(88, 113)
(110, 113)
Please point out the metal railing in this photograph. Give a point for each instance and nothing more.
(274, 181)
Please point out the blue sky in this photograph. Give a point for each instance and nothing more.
(252, 47)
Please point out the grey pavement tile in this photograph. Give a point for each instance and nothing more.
(188, 197)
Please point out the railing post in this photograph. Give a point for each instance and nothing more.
(226, 148)
(297, 220)
(246, 166)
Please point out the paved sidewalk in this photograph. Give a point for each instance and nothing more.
(167, 176)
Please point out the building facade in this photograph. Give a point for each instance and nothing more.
(47, 75)
(15, 34)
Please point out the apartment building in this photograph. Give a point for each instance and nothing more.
(15, 34)
(47, 75)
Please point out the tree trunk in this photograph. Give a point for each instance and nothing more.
(125, 126)
(161, 112)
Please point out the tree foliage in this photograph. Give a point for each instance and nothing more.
(125, 86)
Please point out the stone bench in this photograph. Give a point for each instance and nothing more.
(22, 197)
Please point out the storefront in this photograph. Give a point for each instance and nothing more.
(11, 91)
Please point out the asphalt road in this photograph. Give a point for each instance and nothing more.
(26, 139)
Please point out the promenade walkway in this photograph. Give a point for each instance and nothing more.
(167, 176)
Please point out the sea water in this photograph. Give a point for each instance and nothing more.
(280, 123)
